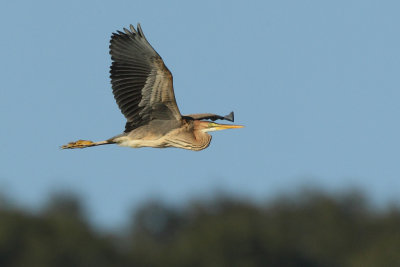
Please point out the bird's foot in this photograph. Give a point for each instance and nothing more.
(78, 144)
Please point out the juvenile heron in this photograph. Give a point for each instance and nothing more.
(142, 87)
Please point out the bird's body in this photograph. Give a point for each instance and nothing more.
(166, 136)
(143, 89)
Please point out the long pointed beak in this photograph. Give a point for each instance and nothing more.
(217, 127)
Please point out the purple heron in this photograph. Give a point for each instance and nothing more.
(143, 89)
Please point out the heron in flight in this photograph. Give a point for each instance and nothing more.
(142, 87)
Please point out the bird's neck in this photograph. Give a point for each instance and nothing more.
(203, 140)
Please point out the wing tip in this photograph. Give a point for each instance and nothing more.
(140, 31)
(130, 32)
(230, 117)
(132, 29)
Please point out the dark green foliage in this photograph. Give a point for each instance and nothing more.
(59, 236)
(310, 229)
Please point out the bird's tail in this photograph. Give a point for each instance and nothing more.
(85, 143)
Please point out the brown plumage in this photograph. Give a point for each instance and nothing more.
(143, 89)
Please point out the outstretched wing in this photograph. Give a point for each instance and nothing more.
(141, 83)
(210, 116)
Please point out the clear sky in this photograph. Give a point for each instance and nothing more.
(316, 83)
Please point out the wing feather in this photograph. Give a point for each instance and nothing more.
(210, 116)
(142, 84)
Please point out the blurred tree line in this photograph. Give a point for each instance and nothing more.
(308, 229)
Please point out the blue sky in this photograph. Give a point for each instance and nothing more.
(316, 83)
